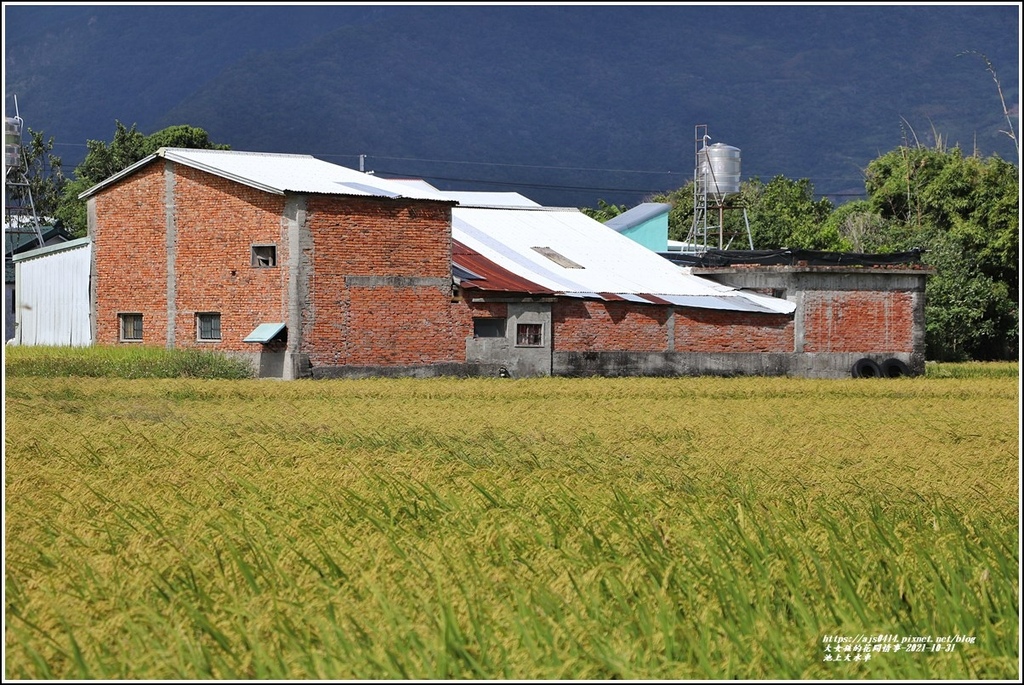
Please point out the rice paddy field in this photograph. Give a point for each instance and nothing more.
(688, 528)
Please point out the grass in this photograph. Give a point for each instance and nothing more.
(972, 370)
(694, 528)
(122, 361)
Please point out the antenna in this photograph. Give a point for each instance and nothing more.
(20, 217)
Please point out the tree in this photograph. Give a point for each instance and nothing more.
(964, 212)
(784, 214)
(180, 136)
(604, 211)
(859, 229)
(781, 213)
(103, 161)
(44, 173)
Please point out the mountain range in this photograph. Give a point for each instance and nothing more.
(567, 104)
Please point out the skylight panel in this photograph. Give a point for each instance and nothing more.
(557, 258)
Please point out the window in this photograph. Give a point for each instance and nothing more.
(131, 327)
(208, 326)
(264, 256)
(529, 335)
(488, 328)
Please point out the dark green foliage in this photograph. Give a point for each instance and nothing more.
(103, 160)
(781, 213)
(604, 211)
(965, 212)
(860, 229)
(70, 210)
(45, 174)
(180, 136)
(784, 213)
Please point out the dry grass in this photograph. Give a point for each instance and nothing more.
(530, 529)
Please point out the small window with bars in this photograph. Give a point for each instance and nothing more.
(208, 326)
(529, 335)
(131, 327)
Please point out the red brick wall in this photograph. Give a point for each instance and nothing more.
(388, 323)
(463, 313)
(375, 237)
(484, 310)
(588, 325)
(129, 248)
(398, 326)
(858, 321)
(218, 221)
(715, 330)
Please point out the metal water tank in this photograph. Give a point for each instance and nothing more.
(719, 170)
(12, 141)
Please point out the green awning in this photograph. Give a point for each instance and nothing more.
(264, 333)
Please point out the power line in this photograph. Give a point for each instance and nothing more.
(687, 175)
(528, 166)
(522, 184)
(549, 186)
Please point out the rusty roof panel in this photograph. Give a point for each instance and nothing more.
(491, 276)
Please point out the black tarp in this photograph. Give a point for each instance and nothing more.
(712, 258)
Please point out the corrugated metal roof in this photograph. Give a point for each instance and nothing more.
(51, 249)
(21, 236)
(611, 263)
(480, 273)
(490, 199)
(475, 198)
(280, 173)
(637, 215)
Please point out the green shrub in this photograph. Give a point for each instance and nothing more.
(122, 362)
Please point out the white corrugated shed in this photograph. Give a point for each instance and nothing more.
(52, 295)
(570, 253)
(280, 173)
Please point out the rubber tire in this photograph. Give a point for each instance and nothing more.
(866, 368)
(894, 368)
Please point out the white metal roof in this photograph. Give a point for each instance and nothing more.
(568, 252)
(280, 173)
(52, 249)
(490, 199)
(475, 198)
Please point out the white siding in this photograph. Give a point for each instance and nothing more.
(52, 298)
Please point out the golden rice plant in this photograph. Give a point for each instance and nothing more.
(690, 528)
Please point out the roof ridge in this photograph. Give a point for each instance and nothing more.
(239, 152)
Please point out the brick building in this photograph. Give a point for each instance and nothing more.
(312, 269)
